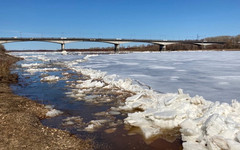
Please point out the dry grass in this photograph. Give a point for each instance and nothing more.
(5, 75)
(5, 63)
(2, 48)
(4, 71)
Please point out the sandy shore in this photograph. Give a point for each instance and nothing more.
(20, 126)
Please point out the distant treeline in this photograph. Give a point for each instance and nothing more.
(231, 42)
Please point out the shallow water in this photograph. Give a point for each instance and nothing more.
(213, 75)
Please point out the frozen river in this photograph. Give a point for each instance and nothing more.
(213, 75)
(107, 96)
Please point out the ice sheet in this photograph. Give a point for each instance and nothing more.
(213, 75)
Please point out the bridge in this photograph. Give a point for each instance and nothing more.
(116, 42)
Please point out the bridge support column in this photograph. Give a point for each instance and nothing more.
(62, 46)
(204, 47)
(201, 46)
(116, 48)
(162, 47)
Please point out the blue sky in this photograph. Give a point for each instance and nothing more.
(143, 19)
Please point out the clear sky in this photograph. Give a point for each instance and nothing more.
(142, 19)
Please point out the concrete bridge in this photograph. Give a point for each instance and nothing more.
(162, 43)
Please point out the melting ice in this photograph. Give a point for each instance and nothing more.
(202, 124)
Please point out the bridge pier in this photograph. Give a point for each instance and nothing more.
(201, 47)
(116, 48)
(204, 46)
(162, 47)
(62, 46)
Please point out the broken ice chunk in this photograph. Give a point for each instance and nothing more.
(50, 78)
(166, 115)
(169, 100)
(53, 113)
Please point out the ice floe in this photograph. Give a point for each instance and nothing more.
(50, 78)
(104, 121)
(35, 70)
(95, 124)
(31, 65)
(52, 112)
(75, 120)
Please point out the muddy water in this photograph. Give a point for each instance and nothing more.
(77, 114)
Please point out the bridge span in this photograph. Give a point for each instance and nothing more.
(62, 40)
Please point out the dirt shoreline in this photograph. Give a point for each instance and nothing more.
(20, 126)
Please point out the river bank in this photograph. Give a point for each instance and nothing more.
(20, 126)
